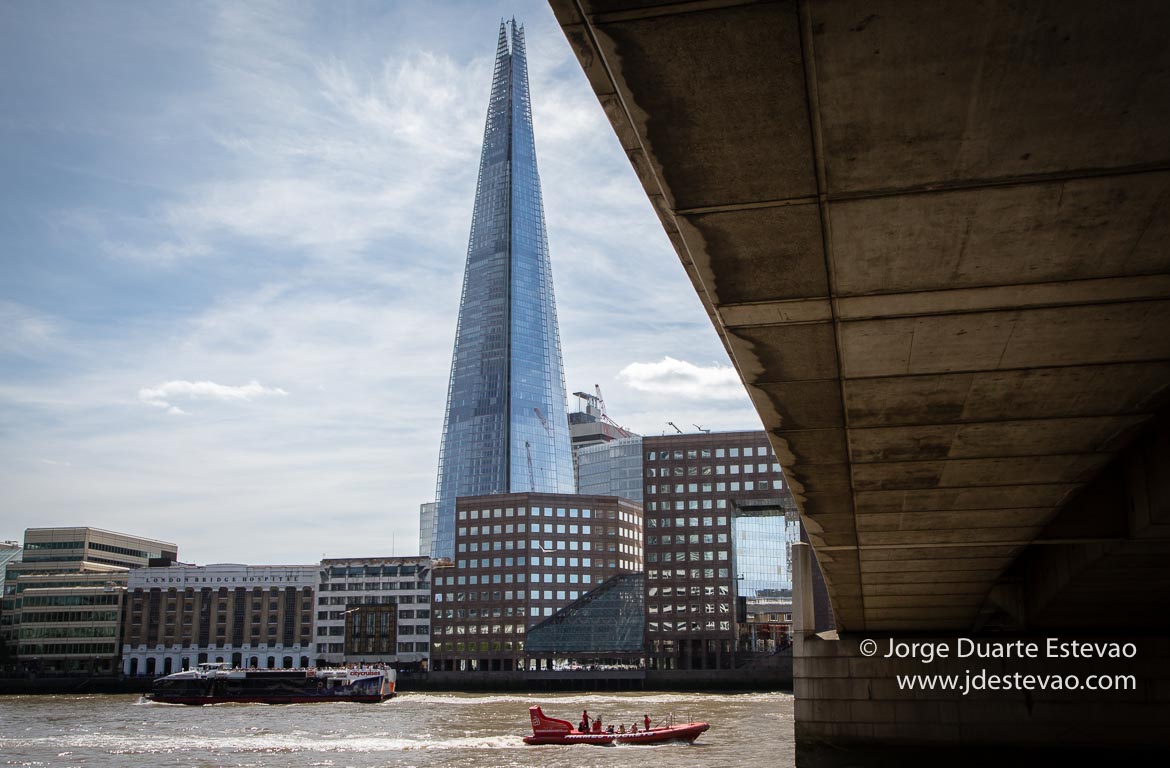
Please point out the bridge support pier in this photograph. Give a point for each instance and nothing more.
(858, 703)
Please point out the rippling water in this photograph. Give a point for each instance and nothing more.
(411, 730)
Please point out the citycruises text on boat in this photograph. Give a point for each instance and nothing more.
(220, 683)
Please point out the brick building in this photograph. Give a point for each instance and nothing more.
(518, 559)
(178, 616)
(695, 485)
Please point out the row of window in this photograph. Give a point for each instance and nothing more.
(707, 453)
(342, 571)
(23, 584)
(511, 545)
(61, 649)
(112, 549)
(484, 629)
(534, 594)
(691, 556)
(509, 578)
(681, 608)
(561, 528)
(370, 599)
(708, 470)
(50, 617)
(666, 574)
(688, 626)
(686, 522)
(687, 538)
(497, 514)
(694, 590)
(747, 485)
(522, 562)
(423, 613)
(48, 601)
(30, 633)
(374, 586)
(495, 611)
(403, 629)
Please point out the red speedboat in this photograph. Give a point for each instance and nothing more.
(549, 730)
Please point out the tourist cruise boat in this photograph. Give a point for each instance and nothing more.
(220, 683)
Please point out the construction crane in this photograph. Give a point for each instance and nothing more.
(531, 475)
(600, 401)
(676, 429)
(622, 431)
(543, 421)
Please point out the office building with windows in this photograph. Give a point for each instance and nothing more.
(613, 468)
(695, 487)
(506, 429)
(519, 559)
(374, 610)
(62, 605)
(177, 616)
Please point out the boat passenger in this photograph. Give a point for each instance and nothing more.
(646, 720)
(597, 725)
(609, 728)
(622, 728)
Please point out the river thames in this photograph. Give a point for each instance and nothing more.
(420, 729)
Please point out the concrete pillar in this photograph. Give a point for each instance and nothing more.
(803, 608)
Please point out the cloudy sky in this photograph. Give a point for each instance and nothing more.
(231, 245)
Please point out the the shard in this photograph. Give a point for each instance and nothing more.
(506, 429)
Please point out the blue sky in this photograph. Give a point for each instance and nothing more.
(231, 245)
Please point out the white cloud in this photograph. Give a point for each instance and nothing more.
(162, 395)
(682, 379)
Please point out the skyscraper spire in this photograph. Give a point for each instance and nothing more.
(506, 429)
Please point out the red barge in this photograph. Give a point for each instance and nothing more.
(550, 730)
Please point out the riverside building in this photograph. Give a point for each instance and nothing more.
(506, 429)
(63, 601)
(695, 486)
(374, 609)
(257, 616)
(519, 559)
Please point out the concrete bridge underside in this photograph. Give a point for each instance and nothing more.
(935, 239)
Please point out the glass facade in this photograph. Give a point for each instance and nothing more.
(611, 469)
(505, 429)
(763, 555)
(609, 619)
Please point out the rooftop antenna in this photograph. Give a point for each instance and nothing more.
(676, 429)
(701, 429)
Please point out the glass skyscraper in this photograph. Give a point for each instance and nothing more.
(506, 429)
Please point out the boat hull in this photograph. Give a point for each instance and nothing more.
(687, 733)
(262, 699)
(219, 684)
(551, 730)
